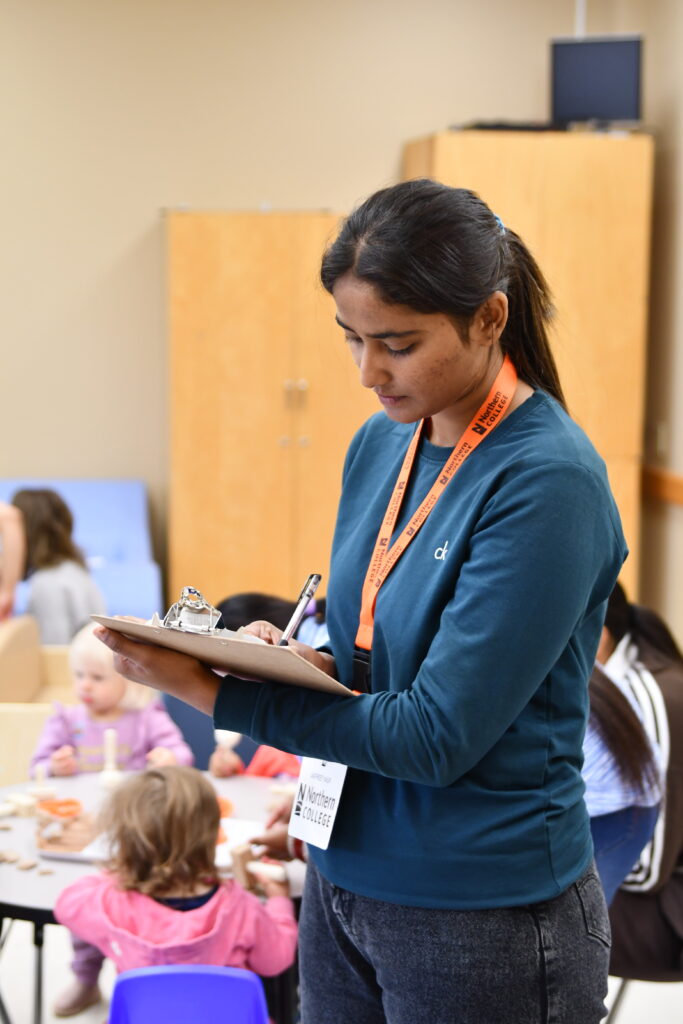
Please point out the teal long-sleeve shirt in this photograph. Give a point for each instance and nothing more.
(464, 785)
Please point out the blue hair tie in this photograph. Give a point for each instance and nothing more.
(499, 222)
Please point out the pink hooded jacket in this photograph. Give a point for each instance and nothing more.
(233, 929)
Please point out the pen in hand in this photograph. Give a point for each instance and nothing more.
(310, 587)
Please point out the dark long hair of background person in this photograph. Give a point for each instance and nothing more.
(611, 712)
(48, 524)
(621, 731)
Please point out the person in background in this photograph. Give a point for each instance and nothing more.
(62, 593)
(647, 911)
(236, 611)
(72, 739)
(477, 543)
(161, 900)
(240, 609)
(275, 838)
(621, 769)
(266, 762)
(12, 555)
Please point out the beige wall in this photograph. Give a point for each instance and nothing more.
(113, 111)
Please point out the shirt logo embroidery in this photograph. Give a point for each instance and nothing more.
(440, 553)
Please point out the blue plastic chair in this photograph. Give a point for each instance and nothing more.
(188, 994)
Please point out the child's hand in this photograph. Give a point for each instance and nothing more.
(161, 756)
(281, 812)
(63, 762)
(270, 886)
(275, 841)
(225, 762)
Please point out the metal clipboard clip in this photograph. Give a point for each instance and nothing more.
(192, 613)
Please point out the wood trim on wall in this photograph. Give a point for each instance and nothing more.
(663, 485)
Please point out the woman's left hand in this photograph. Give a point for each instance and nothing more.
(177, 674)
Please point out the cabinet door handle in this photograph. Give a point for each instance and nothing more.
(284, 441)
(288, 385)
(304, 441)
(302, 384)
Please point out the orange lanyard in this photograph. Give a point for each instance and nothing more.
(384, 558)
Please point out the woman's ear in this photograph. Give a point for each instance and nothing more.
(488, 323)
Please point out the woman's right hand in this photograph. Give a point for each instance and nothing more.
(63, 761)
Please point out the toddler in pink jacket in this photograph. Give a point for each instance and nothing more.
(161, 900)
(72, 739)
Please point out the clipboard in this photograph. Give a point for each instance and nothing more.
(240, 654)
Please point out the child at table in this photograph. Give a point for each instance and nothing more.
(161, 900)
(72, 739)
(266, 762)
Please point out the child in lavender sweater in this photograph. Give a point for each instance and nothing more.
(72, 739)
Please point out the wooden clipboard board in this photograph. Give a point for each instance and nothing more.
(232, 653)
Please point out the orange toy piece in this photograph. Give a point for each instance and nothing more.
(226, 806)
(60, 809)
(221, 837)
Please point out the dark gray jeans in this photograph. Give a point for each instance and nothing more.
(363, 961)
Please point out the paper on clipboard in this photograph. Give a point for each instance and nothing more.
(231, 653)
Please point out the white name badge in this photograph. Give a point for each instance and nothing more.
(317, 801)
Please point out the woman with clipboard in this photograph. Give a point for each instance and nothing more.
(450, 877)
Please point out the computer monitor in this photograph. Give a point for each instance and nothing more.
(596, 78)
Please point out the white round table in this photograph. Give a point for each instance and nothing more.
(31, 896)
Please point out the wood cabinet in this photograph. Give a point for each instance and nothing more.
(264, 399)
(582, 202)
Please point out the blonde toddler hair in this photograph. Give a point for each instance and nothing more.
(163, 824)
(136, 697)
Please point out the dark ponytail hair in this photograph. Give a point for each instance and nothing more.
(611, 712)
(621, 731)
(438, 249)
(648, 631)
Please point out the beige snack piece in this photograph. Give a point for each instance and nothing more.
(24, 804)
(27, 865)
(277, 872)
(9, 856)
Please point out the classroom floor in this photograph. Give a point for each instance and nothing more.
(656, 1004)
